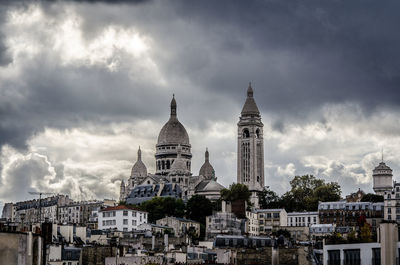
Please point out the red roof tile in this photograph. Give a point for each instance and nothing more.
(121, 207)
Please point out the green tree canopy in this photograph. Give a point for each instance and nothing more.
(159, 207)
(235, 192)
(306, 191)
(268, 199)
(198, 208)
(370, 197)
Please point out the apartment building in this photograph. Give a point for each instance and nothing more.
(121, 218)
(180, 225)
(264, 221)
(70, 214)
(302, 218)
(349, 214)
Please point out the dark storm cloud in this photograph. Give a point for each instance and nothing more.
(331, 51)
(299, 56)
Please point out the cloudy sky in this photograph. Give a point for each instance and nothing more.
(84, 83)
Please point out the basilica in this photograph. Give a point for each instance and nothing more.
(173, 176)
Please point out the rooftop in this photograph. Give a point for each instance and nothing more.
(120, 208)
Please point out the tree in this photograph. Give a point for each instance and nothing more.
(365, 233)
(268, 199)
(307, 191)
(235, 192)
(370, 197)
(159, 207)
(198, 208)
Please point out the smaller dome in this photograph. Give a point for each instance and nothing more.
(139, 169)
(207, 170)
(179, 168)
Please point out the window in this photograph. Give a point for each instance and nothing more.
(389, 210)
(134, 214)
(125, 229)
(376, 256)
(125, 213)
(333, 257)
(134, 222)
(268, 215)
(125, 221)
(276, 215)
(352, 257)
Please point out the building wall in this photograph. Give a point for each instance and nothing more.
(348, 213)
(365, 251)
(179, 225)
(117, 219)
(134, 260)
(302, 219)
(20, 248)
(222, 223)
(70, 214)
(262, 222)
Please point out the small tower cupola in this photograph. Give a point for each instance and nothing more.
(382, 177)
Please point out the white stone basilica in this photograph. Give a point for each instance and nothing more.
(173, 175)
(173, 156)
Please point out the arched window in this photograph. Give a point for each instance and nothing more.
(168, 164)
(159, 165)
(258, 133)
(163, 164)
(246, 133)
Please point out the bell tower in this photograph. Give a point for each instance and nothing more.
(250, 164)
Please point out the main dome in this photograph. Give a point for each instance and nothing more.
(173, 132)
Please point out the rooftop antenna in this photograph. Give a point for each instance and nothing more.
(40, 193)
